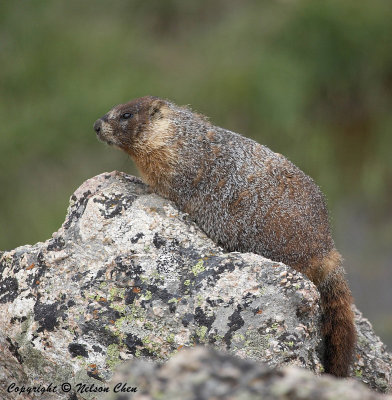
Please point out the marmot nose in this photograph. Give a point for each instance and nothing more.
(97, 125)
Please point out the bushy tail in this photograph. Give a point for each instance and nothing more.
(338, 326)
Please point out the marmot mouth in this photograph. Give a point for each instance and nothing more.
(103, 139)
(109, 142)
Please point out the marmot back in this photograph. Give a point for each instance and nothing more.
(244, 196)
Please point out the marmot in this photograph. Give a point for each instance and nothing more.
(244, 196)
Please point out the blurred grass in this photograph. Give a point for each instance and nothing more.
(310, 79)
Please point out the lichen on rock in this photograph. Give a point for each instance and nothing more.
(129, 276)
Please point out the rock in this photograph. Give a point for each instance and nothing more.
(128, 275)
(203, 373)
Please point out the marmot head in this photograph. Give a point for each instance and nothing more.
(143, 128)
(128, 125)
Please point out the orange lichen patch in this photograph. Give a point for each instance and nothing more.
(102, 299)
(95, 314)
(259, 312)
(136, 290)
(210, 135)
(31, 266)
(180, 347)
(37, 282)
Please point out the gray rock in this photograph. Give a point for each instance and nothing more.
(202, 374)
(128, 275)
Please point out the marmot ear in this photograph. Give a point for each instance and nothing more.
(155, 108)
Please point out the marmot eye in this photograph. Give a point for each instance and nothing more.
(126, 116)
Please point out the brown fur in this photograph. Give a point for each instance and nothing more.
(244, 196)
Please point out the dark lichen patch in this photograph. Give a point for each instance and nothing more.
(213, 268)
(8, 290)
(158, 241)
(189, 253)
(77, 349)
(13, 348)
(56, 244)
(132, 342)
(160, 293)
(202, 319)
(46, 315)
(80, 276)
(214, 302)
(133, 179)
(136, 238)
(34, 275)
(147, 353)
(172, 307)
(131, 294)
(96, 329)
(230, 266)
(187, 319)
(97, 349)
(77, 209)
(248, 299)
(114, 204)
(126, 268)
(289, 341)
(4, 263)
(111, 314)
(236, 322)
(10, 261)
(18, 319)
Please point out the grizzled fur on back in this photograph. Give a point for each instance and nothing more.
(243, 195)
(246, 197)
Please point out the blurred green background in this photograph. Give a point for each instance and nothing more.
(310, 79)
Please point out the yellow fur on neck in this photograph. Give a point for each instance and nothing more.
(155, 155)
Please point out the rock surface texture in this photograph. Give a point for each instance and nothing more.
(202, 374)
(128, 275)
